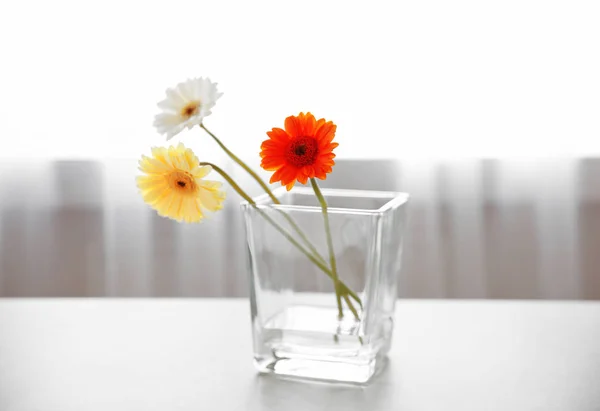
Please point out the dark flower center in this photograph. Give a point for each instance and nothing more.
(182, 181)
(302, 151)
(191, 109)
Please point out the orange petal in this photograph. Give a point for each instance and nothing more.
(326, 132)
(288, 176)
(270, 167)
(301, 125)
(320, 173)
(326, 156)
(320, 123)
(270, 157)
(272, 144)
(309, 171)
(308, 125)
(272, 163)
(277, 175)
(293, 126)
(302, 178)
(278, 134)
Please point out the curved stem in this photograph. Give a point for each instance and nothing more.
(267, 190)
(316, 257)
(299, 231)
(351, 307)
(246, 197)
(244, 166)
(343, 288)
(336, 281)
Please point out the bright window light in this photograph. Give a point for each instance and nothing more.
(401, 79)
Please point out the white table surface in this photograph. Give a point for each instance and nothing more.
(76, 355)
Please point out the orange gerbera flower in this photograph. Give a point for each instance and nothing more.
(303, 150)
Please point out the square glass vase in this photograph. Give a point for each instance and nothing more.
(296, 323)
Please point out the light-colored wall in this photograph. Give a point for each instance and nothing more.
(478, 229)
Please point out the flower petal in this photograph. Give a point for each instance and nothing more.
(172, 120)
(293, 126)
(202, 171)
(161, 184)
(276, 175)
(326, 132)
(278, 135)
(308, 124)
(301, 151)
(272, 163)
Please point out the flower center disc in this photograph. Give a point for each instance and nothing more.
(302, 151)
(182, 182)
(191, 109)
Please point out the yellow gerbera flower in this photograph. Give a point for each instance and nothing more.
(173, 184)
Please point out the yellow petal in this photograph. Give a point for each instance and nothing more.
(160, 184)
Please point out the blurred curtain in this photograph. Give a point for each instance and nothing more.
(478, 228)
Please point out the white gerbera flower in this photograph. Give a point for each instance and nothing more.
(186, 105)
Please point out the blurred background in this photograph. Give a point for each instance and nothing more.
(487, 113)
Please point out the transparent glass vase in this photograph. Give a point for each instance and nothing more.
(297, 329)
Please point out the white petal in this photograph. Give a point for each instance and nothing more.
(197, 87)
(167, 119)
(170, 121)
(205, 112)
(186, 90)
(169, 105)
(193, 121)
(175, 95)
(174, 131)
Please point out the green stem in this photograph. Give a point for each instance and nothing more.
(267, 190)
(299, 231)
(244, 166)
(336, 281)
(316, 257)
(246, 197)
(343, 288)
(351, 306)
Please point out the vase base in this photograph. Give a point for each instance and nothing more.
(337, 371)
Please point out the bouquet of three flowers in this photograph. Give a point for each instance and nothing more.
(174, 180)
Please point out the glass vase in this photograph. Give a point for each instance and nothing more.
(301, 326)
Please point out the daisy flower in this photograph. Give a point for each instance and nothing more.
(173, 184)
(186, 105)
(303, 150)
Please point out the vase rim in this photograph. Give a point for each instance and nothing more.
(395, 200)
